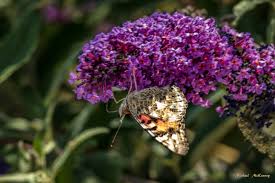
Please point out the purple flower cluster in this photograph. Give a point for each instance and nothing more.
(254, 81)
(251, 68)
(173, 49)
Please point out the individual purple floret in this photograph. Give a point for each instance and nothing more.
(173, 49)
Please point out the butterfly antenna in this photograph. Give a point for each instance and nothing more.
(114, 138)
(131, 85)
(135, 81)
(131, 82)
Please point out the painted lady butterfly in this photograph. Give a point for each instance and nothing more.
(161, 112)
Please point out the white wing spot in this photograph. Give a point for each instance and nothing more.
(160, 105)
(154, 114)
(173, 118)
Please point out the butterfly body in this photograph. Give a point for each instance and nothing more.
(161, 112)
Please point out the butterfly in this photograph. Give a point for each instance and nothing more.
(161, 112)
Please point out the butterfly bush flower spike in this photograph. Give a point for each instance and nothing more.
(164, 49)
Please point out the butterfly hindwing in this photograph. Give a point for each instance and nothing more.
(161, 112)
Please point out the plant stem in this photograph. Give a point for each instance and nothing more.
(20, 177)
(72, 146)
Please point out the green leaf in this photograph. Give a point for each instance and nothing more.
(32, 177)
(73, 146)
(99, 13)
(18, 177)
(38, 144)
(17, 127)
(48, 122)
(60, 74)
(244, 6)
(206, 141)
(270, 33)
(80, 120)
(18, 47)
(107, 166)
(20, 124)
(5, 3)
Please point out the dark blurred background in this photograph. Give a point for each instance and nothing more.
(39, 115)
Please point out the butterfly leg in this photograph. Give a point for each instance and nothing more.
(116, 101)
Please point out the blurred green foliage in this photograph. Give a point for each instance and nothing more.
(46, 135)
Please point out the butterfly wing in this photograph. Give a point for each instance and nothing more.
(161, 112)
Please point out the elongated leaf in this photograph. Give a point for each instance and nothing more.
(18, 47)
(211, 131)
(4, 3)
(270, 34)
(32, 177)
(244, 6)
(18, 177)
(80, 120)
(72, 146)
(207, 142)
(43, 142)
(60, 74)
